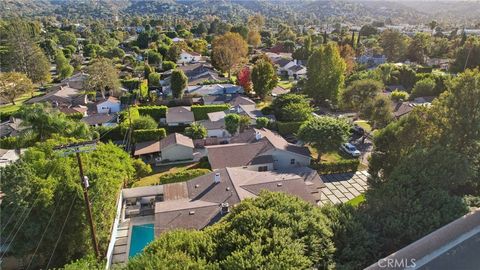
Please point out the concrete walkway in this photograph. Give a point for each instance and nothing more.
(343, 187)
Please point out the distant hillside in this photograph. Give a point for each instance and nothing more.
(291, 11)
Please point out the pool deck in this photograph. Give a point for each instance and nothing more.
(122, 242)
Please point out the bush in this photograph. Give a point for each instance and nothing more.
(143, 135)
(110, 133)
(341, 166)
(131, 84)
(261, 122)
(200, 111)
(75, 116)
(168, 65)
(288, 128)
(9, 143)
(156, 112)
(398, 95)
(181, 176)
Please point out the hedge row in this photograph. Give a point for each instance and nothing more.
(342, 166)
(143, 135)
(181, 176)
(156, 112)
(288, 128)
(200, 111)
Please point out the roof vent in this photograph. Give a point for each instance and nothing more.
(258, 135)
(216, 178)
(197, 186)
(279, 184)
(228, 188)
(191, 213)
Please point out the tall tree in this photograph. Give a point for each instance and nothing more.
(228, 51)
(291, 107)
(64, 69)
(264, 78)
(22, 52)
(232, 122)
(178, 82)
(196, 131)
(325, 74)
(324, 133)
(47, 194)
(244, 79)
(419, 48)
(13, 85)
(394, 45)
(379, 112)
(102, 77)
(359, 94)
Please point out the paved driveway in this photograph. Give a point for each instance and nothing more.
(343, 187)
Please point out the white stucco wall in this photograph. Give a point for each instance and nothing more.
(108, 107)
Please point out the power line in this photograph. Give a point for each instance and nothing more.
(21, 224)
(61, 231)
(43, 234)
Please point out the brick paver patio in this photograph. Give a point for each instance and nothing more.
(343, 187)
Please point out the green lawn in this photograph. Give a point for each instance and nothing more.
(9, 108)
(357, 200)
(364, 124)
(285, 84)
(159, 171)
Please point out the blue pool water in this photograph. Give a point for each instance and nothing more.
(142, 235)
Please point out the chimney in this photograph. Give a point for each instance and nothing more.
(216, 179)
(225, 208)
(258, 135)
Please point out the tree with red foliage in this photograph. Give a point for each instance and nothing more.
(244, 79)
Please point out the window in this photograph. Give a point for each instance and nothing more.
(292, 161)
(263, 168)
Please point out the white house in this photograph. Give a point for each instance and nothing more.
(109, 105)
(297, 71)
(189, 57)
(372, 60)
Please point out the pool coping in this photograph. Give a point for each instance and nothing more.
(135, 221)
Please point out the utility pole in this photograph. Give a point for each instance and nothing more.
(78, 148)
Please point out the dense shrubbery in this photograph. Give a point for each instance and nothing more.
(288, 128)
(200, 111)
(181, 176)
(156, 112)
(143, 135)
(341, 166)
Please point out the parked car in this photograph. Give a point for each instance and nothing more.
(350, 149)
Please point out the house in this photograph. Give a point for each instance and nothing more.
(77, 81)
(211, 100)
(108, 105)
(179, 116)
(69, 110)
(189, 57)
(174, 147)
(278, 90)
(297, 71)
(214, 89)
(204, 200)
(197, 74)
(215, 125)
(283, 64)
(8, 156)
(61, 95)
(101, 119)
(241, 100)
(405, 107)
(258, 149)
(251, 111)
(372, 60)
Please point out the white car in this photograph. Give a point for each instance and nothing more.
(350, 149)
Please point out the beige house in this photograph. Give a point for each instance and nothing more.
(174, 147)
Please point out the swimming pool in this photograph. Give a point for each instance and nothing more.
(142, 235)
